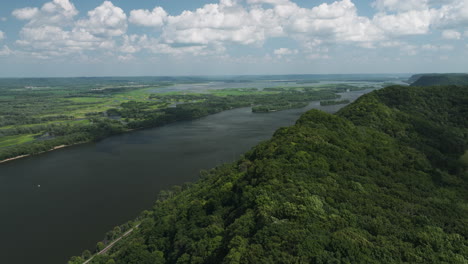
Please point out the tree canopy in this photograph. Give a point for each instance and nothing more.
(381, 181)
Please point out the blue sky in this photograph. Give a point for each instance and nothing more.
(203, 37)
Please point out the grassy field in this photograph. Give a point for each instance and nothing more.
(16, 140)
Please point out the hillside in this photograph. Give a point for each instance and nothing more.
(382, 181)
(439, 79)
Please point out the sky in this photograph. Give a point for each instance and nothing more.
(61, 38)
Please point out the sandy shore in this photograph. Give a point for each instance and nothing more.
(14, 158)
(24, 156)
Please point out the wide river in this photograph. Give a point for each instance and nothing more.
(55, 205)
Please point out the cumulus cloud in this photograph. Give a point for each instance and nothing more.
(155, 18)
(253, 24)
(56, 41)
(105, 20)
(314, 28)
(407, 23)
(213, 23)
(25, 13)
(55, 29)
(134, 43)
(57, 12)
(451, 34)
(453, 14)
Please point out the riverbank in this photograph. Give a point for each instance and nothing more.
(28, 155)
(150, 125)
(14, 158)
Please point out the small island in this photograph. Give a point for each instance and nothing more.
(278, 107)
(331, 102)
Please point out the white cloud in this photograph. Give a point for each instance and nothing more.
(285, 51)
(53, 31)
(26, 13)
(134, 43)
(64, 7)
(2, 35)
(254, 23)
(126, 58)
(54, 40)
(430, 47)
(57, 12)
(451, 34)
(105, 20)
(453, 14)
(54, 28)
(43, 35)
(5, 51)
(229, 21)
(214, 23)
(406, 23)
(155, 18)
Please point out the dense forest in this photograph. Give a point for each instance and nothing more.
(439, 79)
(382, 181)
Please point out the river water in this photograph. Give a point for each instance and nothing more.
(88, 189)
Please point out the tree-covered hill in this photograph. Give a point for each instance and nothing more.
(382, 181)
(439, 79)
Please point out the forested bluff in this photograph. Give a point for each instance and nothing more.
(382, 181)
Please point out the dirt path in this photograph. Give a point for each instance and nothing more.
(111, 245)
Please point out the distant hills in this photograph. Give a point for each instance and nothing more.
(382, 181)
(439, 79)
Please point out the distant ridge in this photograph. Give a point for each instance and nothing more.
(438, 79)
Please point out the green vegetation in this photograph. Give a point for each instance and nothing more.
(337, 87)
(439, 79)
(382, 181)
(37, 115)
(15, 140)
(324, 103)
(278, 107)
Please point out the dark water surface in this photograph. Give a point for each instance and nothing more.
(88, 189)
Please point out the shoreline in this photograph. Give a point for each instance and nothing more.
(15, 158)
(28, 155)
(143, 128)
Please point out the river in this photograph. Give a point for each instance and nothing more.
(57, 204)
